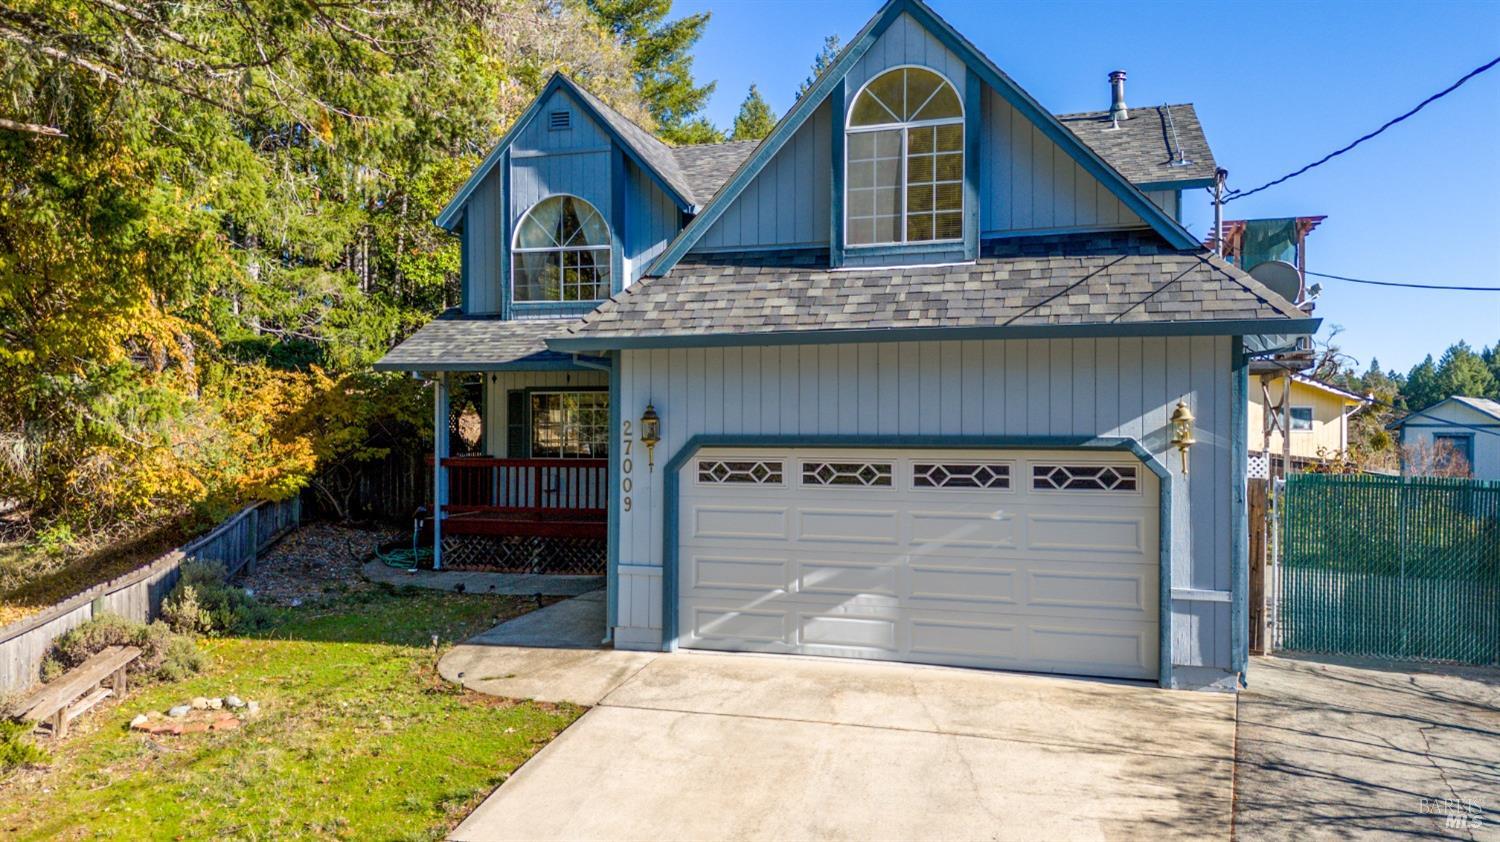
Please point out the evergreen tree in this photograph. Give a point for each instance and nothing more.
(663, 64)
(1491, 358)
(756, 119)
(1463, 372)
(824, 58)
(1422, 390)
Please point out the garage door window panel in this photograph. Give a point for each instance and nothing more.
(739, 472)
(847, 474)
(1120, 478)
(961, 475)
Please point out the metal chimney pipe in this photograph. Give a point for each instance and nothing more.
(1117, 110)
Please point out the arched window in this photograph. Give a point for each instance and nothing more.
(904, 177)
(561, 252)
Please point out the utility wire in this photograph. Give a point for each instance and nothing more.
(1395, 284)
(1238, 194)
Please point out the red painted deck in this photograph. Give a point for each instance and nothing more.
(552, 498)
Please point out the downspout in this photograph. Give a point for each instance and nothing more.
(612, 522)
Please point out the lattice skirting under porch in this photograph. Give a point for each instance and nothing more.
(516, 554)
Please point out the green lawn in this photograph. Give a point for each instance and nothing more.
(357, 738)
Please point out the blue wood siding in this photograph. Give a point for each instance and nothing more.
(1029, 182)
(483, 246)
(1081, 387)
(787, 204)
(651, 221)
(906, 42)
(583, 133)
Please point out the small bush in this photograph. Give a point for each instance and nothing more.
(184, 614)
(164, 655)
(204, 603)
(15, 749)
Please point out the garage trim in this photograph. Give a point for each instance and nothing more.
(671, 491)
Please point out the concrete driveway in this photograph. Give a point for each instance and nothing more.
(703, 746)
(1374, 750)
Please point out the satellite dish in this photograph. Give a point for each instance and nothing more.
(1281, 277)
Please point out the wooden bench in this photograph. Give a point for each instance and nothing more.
(71, 696)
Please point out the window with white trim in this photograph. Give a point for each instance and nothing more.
(561, 252)
(904, 161)
(1302, 419)
(569, 425)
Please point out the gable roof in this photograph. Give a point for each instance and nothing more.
(1159, 147)
(648, 152)
(1331, 389)
(1078, 284)
(1168, 227)
(1484, 406)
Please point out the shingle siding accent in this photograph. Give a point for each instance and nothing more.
(1122, 277)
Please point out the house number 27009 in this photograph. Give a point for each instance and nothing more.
(626, 464)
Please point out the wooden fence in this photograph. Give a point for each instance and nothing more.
(138, 595)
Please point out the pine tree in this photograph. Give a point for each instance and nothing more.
(1463, 372)
(663, 64)
(1421, 389)
(1491, 357)
(824, 58)
(756, 119)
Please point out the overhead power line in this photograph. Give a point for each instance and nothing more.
(1408, 286)
(1240, 194)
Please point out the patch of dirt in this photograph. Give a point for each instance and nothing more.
(318, 560)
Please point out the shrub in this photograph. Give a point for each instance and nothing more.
(164, 655)
(183, 613)
(15, 749)
(204, 603)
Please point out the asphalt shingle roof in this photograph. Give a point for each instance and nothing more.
(1143, 148)
(707, 166)
(452, 342)
(1079, 279)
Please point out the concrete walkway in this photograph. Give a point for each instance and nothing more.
(1359, 749)
(709, 746)
(507, 584)
(551, 655)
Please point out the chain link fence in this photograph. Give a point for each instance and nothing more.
(1390, 567)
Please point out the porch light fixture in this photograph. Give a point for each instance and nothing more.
(650, 434)
(1182, 432)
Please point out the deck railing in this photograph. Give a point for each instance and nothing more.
(577, 488)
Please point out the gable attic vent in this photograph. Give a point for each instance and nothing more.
(559, 120)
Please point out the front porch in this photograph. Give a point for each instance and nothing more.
(520, 461)
(546, 516)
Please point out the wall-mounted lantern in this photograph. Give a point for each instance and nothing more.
(650, 434)
(1182, 432)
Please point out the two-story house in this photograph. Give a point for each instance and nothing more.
(898, 382)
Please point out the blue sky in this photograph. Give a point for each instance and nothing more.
(1277, 85)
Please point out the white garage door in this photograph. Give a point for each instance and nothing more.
(1029, 560)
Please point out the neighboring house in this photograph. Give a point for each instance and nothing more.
(1316, 413)
(913, 359)
(1468, 428)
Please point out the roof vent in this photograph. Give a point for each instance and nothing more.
(1118, 113)
(559, 121)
